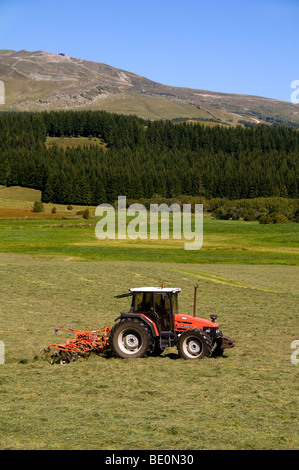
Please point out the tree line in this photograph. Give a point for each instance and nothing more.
(145, 158)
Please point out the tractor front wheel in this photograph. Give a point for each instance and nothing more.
(131, 338)
(193, 344)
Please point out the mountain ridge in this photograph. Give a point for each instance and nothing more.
(39, 81)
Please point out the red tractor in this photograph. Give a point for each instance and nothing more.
(154, 323)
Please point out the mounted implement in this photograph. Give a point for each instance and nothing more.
(152, 325)
(81, 345)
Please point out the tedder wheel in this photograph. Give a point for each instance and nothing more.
(131, 338)
(194, 344)
(64, 360)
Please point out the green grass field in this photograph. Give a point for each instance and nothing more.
(74, 142)
(229, 242)
(19, 195)
(245, 400)
(55, 271)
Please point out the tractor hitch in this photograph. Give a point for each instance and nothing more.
(227, 342)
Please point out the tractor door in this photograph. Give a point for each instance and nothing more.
(162, 306)
(142, 302)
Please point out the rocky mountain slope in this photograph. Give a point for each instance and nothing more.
(45, 81)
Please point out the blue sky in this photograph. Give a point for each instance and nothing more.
(244, 46)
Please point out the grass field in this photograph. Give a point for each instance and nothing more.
(246, 400)
(54, 271)
(74, 142)
(232, 242)
(17, 203)
(19, 195)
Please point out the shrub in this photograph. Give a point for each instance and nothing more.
(69, 208)
(226, 212)
(38, 207)
(86, 214)
(296, 217)
(221, 213)
(54, 210)
(265, 219)
(235, 213)
(281, 219)
(250, 216)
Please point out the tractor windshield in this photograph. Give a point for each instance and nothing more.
(142, 302)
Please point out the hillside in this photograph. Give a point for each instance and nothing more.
(89, 157)
(39, 81)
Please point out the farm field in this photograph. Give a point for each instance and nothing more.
(54, 271)
(229, 242)
(68, 235)
(74, 142)
(245, 400)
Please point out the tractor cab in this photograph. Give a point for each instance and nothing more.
(156, 305)
(161, 302)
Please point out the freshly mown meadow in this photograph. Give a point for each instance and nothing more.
(247, 399)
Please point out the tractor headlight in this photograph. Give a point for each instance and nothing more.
(211, 331)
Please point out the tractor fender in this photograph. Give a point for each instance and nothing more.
(152, 325)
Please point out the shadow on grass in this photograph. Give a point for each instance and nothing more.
(108, 355)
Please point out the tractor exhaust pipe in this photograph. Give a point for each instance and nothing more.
(194, 304)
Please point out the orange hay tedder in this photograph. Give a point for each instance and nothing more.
(81, 345)
(152, 325)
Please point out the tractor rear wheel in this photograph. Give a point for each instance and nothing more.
(194, 344)
(131, 338)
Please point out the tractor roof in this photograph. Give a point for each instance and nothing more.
(156, 289)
